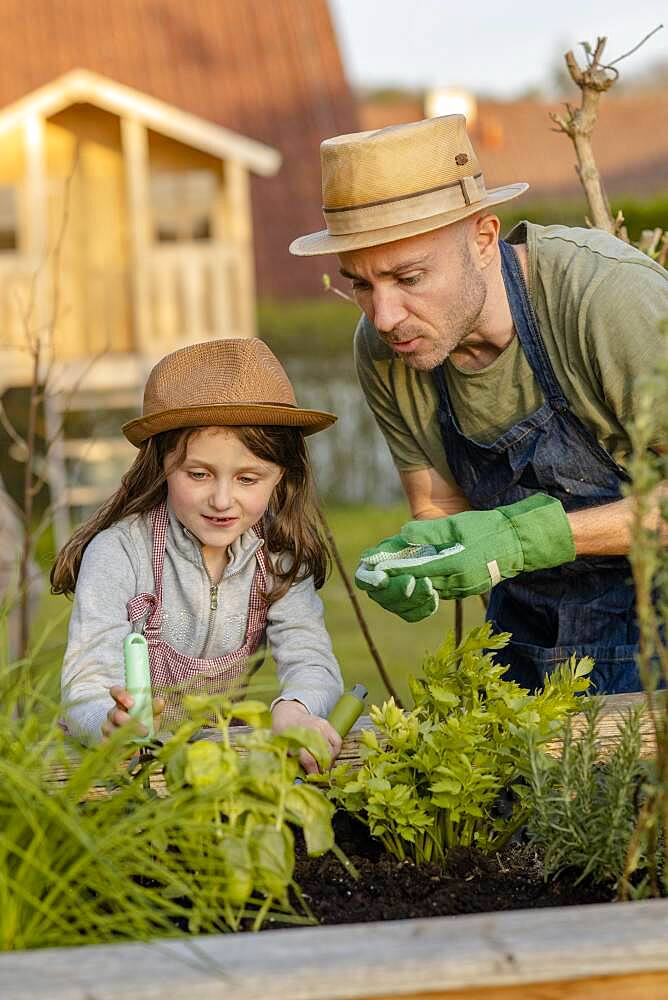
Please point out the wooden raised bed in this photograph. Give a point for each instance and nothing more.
(614, 708)
(612, 951)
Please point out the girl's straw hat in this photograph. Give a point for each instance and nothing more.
(399, 181)
(220, 383)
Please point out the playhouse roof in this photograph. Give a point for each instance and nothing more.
(81, 86)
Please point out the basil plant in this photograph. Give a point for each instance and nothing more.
(244, 806)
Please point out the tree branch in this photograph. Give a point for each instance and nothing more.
(635, 47)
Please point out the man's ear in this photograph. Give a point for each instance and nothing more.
(487, 228)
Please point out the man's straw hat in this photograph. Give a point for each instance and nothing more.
(221, 383)
(399, 181)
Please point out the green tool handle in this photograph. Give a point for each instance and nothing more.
(347, 710)
(138, 683)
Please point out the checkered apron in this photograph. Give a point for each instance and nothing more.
(175, 674)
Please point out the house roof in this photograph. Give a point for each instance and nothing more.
(267, 70)
(83, 87)
(517, 141)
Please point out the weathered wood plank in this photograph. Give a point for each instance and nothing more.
(523, 955)
(614, 709)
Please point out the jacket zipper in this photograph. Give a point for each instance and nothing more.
(213, 607)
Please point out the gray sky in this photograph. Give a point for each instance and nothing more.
(496, 47)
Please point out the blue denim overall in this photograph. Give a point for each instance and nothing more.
(586, 606)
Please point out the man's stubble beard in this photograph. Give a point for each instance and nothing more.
(459, 322)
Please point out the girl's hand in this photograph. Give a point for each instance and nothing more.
(118, 715)
(293, 713)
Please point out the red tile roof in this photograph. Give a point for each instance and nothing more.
(515, 143)
(269, 69)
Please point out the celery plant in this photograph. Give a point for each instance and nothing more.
(432, 777)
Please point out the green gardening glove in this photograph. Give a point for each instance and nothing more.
(470, 552)
(405, 596)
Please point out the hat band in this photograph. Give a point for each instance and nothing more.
(409, 208)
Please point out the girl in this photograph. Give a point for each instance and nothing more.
(209, 545)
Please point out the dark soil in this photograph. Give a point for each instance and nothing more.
(393, 890)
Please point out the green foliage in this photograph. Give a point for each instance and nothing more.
(649, 563)
(305, 328)
(431, 779)
(246, 805)
(582, 809)
(128, 864)
(638, 215)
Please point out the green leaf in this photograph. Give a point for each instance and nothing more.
(273, 857)
(369, 739)
(313, 812)
(238, 868)
(263, 773)
(301, 737)
(203, 766)
(450, 785)
(202, 706)
(254, 713)
(443, 696)
(584, 667)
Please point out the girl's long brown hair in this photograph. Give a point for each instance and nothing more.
(290, 524)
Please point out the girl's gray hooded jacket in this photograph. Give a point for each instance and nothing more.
(117, 566)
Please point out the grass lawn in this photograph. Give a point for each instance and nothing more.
(401, 645)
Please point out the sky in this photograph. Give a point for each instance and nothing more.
(499, 48)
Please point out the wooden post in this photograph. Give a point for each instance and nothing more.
(239, 231)
(41, 324)
(136, 162)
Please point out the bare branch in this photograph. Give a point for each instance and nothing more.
(11, 430)
(635, 47)
(352, 597)
(561, 122)
(329, 287)
(40, 345)
(579, 125)
(573, 68)
(600, 45)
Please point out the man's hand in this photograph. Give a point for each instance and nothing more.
(470, 552)
(411, 599)
(293, 713)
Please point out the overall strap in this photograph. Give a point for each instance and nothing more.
(446, 414)
(257, 605)
(526, 326)
(139, 605)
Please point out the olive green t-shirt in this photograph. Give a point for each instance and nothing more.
(599, 304)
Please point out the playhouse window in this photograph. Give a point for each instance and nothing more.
(9, 222)
(183, 205)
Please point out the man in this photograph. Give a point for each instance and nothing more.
(501, 374)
